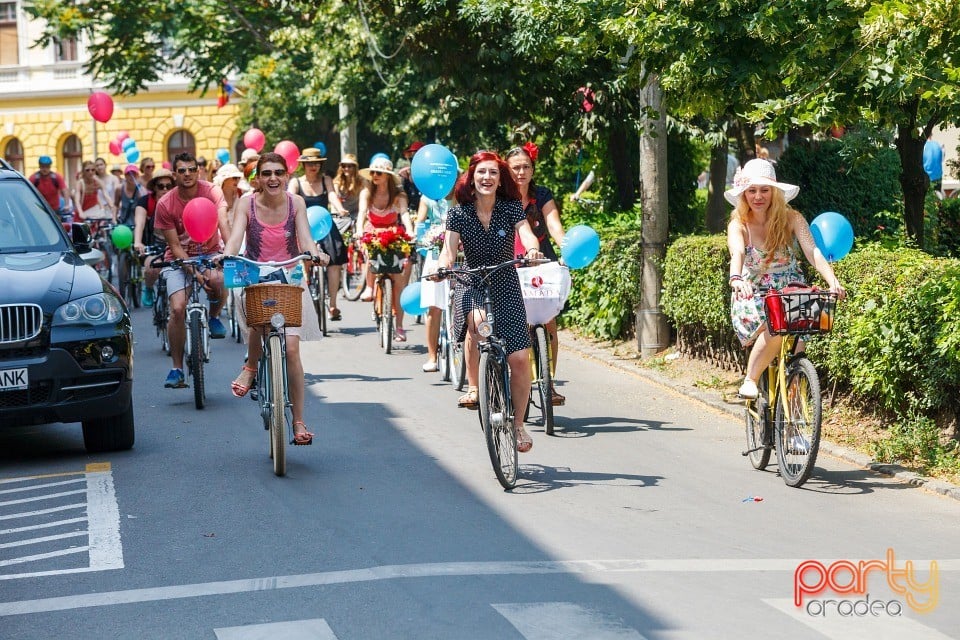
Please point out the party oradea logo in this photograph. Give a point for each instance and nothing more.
(895, 588)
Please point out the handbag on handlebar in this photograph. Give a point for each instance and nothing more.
(799, 309)
(545, 288)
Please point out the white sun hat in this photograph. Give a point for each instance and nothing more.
(755, 173)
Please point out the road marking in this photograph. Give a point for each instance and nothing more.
(315, 629)
(564, 621)
(96, 518)
(838, 627)
(392, 572)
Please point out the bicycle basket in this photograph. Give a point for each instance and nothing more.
(800, 311)
(390, 262)
(261, 301)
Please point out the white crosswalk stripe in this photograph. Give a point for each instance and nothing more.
(313, 629)
(73, 517)
(564, 621)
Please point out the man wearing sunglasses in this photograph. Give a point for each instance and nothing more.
(169, 221)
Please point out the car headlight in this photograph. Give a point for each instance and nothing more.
(100, 308)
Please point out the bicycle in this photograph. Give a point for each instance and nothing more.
(453, 366)
(161, 305)
(129, 276)
(100, 239)
(353, 273)
(385, 266)
(317, 286)
(275, 306)
(197, 345)
(787, 411)
(496, 405)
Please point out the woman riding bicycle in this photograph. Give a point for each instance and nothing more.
(762, 236)
(276, 228)
(486, 220)
(544, 218)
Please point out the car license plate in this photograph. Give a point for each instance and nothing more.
(11, 379)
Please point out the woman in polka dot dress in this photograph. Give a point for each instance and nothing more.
(487, 216)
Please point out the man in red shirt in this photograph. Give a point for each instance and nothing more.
(168, 220)
(51, 186)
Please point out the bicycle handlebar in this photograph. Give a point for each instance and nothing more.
(483, 271)
(282, 263)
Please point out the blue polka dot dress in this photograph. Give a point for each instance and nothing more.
(488, 247)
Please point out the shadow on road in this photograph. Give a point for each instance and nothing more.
(594, 425)
(537, 478)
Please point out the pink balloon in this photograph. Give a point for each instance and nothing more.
(290, 153)
(167, 165)
(200, 219)
(100, 106)
(123, 135)
(254, 139)
(115, 148)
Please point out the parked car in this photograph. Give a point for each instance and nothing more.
(66, 346)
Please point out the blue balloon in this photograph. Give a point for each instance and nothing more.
(580, 246)
(379, 156)
(133, 154)
(434, 171)
(127, 143)
(410, 299)
(320, 222)
(223, 155)
(322, 148)
(833, 235)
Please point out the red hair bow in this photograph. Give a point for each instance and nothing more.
(532, 150)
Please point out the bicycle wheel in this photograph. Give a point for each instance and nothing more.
(759, 442)
(415, 271)
(196, 359)
(798, 430)
(351, 276)
(458, 366)
(136, 280)
(316, 295)
(496, 420)
(544, 379)
(386, 314)
(443, 349)
(277, 406)
(322, 301)
(160, 317)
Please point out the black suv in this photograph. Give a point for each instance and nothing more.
(66, 348)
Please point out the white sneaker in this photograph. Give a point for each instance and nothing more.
(430, 366)
(748, 389)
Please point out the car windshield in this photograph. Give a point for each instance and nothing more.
(25, 224)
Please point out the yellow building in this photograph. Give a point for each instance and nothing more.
(43, 109)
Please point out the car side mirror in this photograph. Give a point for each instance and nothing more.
(80, 235)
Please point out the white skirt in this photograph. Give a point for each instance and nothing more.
(433, 294)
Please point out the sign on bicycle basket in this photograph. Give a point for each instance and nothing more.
(237, 273)
(545, 289)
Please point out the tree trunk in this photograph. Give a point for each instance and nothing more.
(620, 160)
(913, 180)
(716, 205)
(653, 332)
(746, 141)
(348, 128)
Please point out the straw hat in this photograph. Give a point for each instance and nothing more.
(349, 158)
(758, 172)
(159, 173)
(382, 165)
(228, 170)
(311, 154)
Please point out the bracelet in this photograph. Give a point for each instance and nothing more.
(734, 278)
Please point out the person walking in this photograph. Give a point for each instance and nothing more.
(169, 221)
(486, 219)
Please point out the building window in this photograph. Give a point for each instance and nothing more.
(9, 46)
(13, 153)
(72, 159)
(65, 50)
(181, 142)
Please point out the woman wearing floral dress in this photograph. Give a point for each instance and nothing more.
(763, 237)
(485, 221)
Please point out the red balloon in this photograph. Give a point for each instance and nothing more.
(254, 139)
(200, 219)
(290, 153)
(123, 135)
(115, 148)
(100, 106)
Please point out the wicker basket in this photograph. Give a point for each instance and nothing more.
(264, 300)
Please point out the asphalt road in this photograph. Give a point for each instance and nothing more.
(632, 522)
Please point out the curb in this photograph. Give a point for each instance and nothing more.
(578, 345)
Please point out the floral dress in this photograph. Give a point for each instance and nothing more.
(748, 314)
(490, 247)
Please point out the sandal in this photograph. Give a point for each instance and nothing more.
(335, 314)
(303, 437)
(524, 441)
(400, 334)
(470, 400)
(558, 400)
(237, 388)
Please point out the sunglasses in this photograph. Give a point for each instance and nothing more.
(185, 170)
(346, 166)
(149, 166)
(376, 173)
(163, 186)
(88, 170)
(269, 173)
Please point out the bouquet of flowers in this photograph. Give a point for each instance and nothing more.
(435, 237)
(387, 249)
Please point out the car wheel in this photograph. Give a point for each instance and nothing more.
(109, 434)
